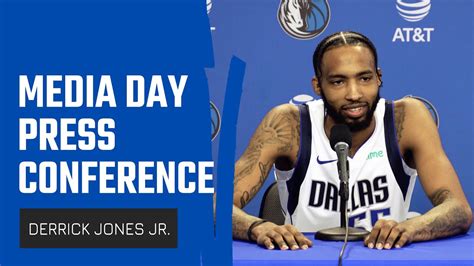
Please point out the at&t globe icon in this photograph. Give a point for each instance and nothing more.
(414, 10)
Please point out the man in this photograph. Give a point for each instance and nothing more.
(402, 135)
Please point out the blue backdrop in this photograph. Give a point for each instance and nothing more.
(438, 67)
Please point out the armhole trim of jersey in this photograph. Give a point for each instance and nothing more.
(393, 151)
(304, 155)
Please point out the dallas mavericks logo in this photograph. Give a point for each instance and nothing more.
(215, 121)
(303, 19)
(414, 10)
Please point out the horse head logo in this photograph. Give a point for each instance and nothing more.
(303, 19)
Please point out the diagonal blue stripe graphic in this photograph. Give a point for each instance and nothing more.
(226, 160)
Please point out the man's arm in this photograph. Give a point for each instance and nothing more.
(276, 138)
(451, 213)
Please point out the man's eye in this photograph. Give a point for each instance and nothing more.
(337, 82)
(365, 79)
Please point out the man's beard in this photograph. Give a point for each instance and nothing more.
(341, 119)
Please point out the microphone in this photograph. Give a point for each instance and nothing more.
(341, 141)
(340, 133)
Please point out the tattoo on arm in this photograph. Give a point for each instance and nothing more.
(399, 118)
(248, 195)
(451, 223)
(276, 129)
(451, 220)
(440, 196)
(282, 131)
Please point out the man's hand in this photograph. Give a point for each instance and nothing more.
(387, 234)
(284, 236)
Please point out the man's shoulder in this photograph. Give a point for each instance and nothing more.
(409, 111)
(289, 113)
(285, 108)
(408, 104)
(411, 116)
(282, 125)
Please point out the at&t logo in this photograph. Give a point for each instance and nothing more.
(413, 11)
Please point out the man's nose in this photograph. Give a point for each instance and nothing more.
(353, 91)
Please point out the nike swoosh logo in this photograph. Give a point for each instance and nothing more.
(324, 162)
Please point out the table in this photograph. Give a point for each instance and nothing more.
(457, 250)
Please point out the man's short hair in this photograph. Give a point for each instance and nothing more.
(339, 39)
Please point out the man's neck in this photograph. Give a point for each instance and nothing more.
(358, 138)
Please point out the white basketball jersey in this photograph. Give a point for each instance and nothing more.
(380, 183)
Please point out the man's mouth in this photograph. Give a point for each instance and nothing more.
(355, 110)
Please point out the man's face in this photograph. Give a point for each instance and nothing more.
(349, 85)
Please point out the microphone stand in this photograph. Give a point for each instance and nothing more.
(339, 233)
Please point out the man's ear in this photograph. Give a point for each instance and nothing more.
(379, 76)
(316, 87)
